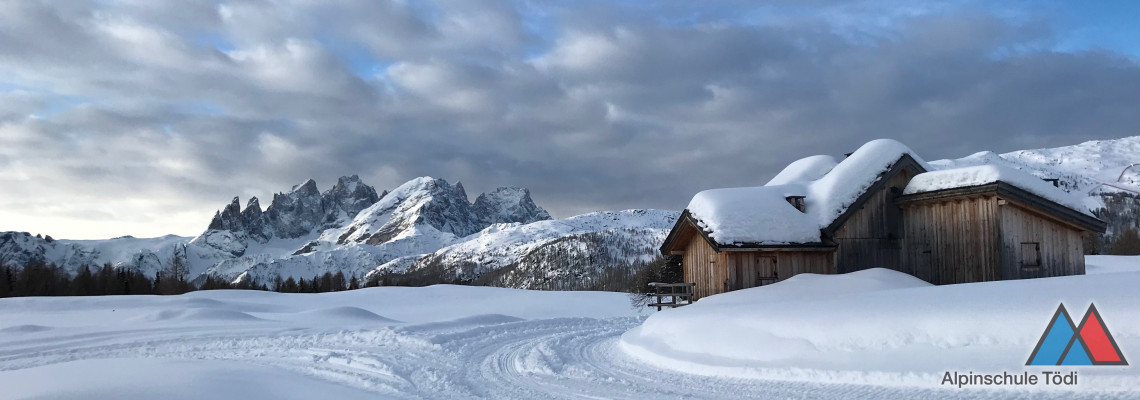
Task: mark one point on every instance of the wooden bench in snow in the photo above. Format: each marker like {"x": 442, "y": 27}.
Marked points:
{"x": 679, "y": 294}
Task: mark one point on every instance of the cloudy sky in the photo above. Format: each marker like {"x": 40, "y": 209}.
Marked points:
{"x": 142, "y": 117}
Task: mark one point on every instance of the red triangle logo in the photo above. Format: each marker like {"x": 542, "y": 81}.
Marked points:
{"x": 1097, "y": 339}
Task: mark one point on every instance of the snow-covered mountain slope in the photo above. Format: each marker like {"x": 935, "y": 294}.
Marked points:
{"x": 556, "y": 254}
{"x": 22, "y": 248}
{"x": 1078, "y": 168}
{"x": 121, "y": 248}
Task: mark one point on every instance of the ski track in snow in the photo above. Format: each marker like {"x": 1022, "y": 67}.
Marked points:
{"x": 490, "y": 356}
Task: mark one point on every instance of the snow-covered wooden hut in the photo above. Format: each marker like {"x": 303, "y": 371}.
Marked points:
{"x": 821, "y": 215}
{"x": 988, "y": 223}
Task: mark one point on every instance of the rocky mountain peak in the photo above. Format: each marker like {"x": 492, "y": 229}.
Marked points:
{"x": 346, "y": 199}
{"x": 308, "y": 187}
{"x": 253, "y": 220}
{"x": 509, "y": 204}
{"x": 459, "y": 191}
{"x": 229, "y": 218}
{"x": 301, "y": 211}
{"x": 347, "y": 184}
{"x": 253, "y": 205}
{"x": 435, "y": 203}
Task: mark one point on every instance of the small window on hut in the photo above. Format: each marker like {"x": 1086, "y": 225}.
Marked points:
{"x": 893, "y": 219}
{"x": 1030, "y": 254}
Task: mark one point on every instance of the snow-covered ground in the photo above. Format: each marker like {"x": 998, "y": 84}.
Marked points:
{"x": 874, "y": 334}
{"x": 1111, "y": 264}
{"x": 890, "y": 329}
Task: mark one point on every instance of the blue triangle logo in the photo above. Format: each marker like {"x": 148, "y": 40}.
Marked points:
{"x": 1056, "y": 341}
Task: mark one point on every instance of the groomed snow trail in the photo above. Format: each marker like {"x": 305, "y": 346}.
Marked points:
{"x": 484, "y": 356}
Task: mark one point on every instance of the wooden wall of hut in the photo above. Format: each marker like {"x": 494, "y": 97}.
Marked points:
{"x": 778, "y": 264}
{"x": 714, "y": 272}
{"x": 704, "y": 267}
{"x": 871, "y": 235}
{"x": 952, "y": 241}
{"x": 1058, "y": 247}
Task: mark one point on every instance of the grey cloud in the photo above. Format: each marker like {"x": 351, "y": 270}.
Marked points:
{"x": 601, "y": 110}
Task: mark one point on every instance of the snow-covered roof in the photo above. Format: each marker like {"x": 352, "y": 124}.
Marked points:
{"x": 804, "y": 170}
{"x": 829, "y": 196}
{"x": 986, "y": 174}
{"x": 753, "y": 215}
{"x": 762, "y": 215}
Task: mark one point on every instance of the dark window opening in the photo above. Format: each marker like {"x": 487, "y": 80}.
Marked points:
{"x": 893, "y": 215}
{"x": 1030, "y": 254}
{"x": 797, "y": 202}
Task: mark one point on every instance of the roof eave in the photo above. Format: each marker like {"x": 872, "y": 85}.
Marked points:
{"x": 1074, "y": 217}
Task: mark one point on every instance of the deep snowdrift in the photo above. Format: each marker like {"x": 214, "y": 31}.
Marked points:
{"x": 887, "y": 328}
{"x": 1111, "y": 264}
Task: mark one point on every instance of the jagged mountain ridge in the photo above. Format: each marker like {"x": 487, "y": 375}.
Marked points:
{"x": 303, "y": 232}
{"x": 290, "y": 215}
{"x": 419, "y": 217}
{"x": 436, "y": 204}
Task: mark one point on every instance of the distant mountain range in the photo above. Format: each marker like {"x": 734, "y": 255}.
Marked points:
{"x": 425, "y": 227}
{"x": 428, "y": 231}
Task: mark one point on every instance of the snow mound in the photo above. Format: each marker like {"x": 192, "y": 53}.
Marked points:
{"x": 1111, "y": 264}
{"x": 346, "y": 313}
{"x": 804, "y": 286}
{"x": 991, "y": 173}
{"x": 474, "y": 320}
{"x": 880, "y": 327}
{"x": 197, "y": 314}
{"x": 26, "y": 328}
{"x": 203, "y": 303}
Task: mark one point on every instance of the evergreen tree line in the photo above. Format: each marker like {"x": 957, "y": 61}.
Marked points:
{"x": 39, "y": 279}
{"x": 1128, "y": 244}
{"x": 328, "y": 282}
{"x": 1122, "y": 213}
